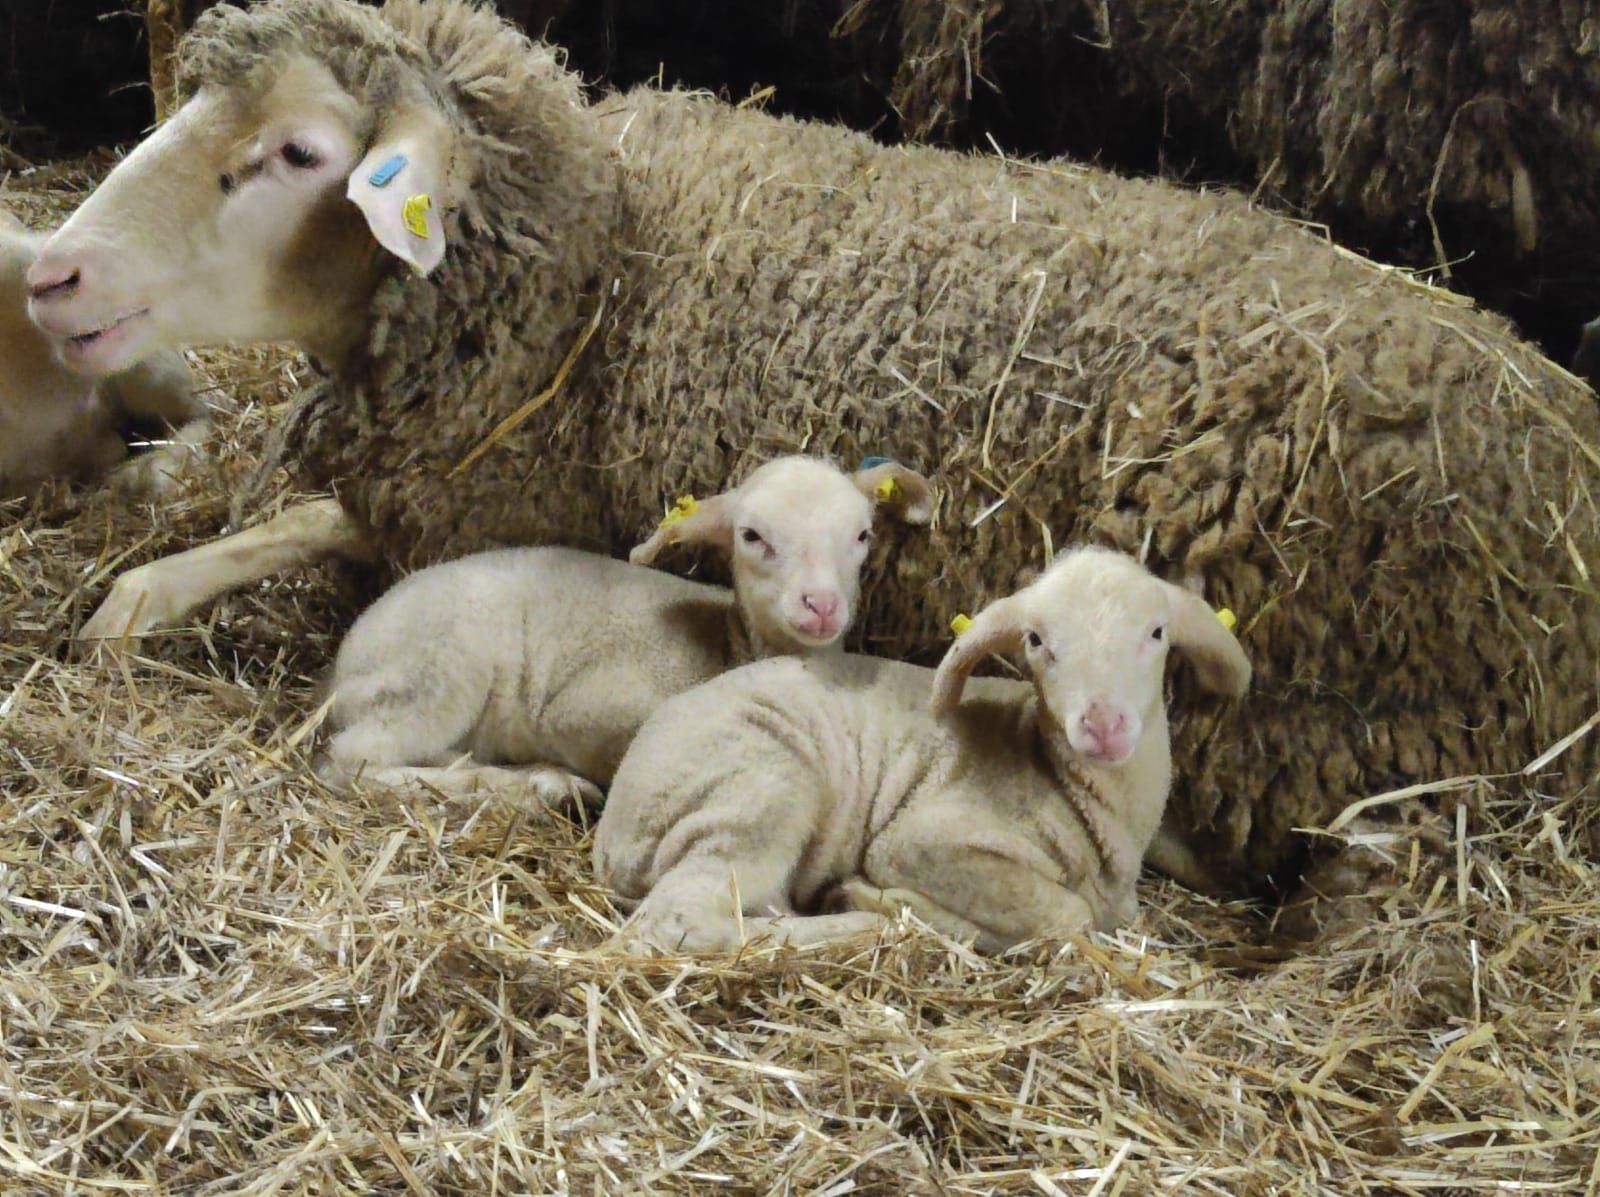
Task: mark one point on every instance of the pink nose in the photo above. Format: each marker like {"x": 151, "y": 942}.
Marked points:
{"x": 824, "y": 604}
{"x": 1106, "y": 731}
{"x": 49, "y": 279}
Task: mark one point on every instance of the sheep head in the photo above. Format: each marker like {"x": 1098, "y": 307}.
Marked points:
{"x": 797, "y": 532}
{"x": 1095, "y": 630}
{"x": 264, "y": 208}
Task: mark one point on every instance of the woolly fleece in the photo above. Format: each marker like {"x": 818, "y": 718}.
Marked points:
{"x": 1395, "y": 495}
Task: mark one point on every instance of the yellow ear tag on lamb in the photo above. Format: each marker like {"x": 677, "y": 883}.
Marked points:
{"x": 960, "y": 624}
{"x": 1227, "y": 618}
{"x": 414, "y": 214}
{"x": 681, "y": 510}
{"x": 887, "y": 491}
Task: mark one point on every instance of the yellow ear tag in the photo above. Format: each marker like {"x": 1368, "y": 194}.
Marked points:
{"x": 1227, "y": 618}
{"x": 960, "y": 624}
{"x": 682, "y": 509}
{"x": 415, "y": 215}
{"x": 887, "y": 491}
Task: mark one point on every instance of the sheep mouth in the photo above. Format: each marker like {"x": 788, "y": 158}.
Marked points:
{"x": 85, "y": 340}
{"x": 818, "y": 631}
{"x": 103, "y": 341}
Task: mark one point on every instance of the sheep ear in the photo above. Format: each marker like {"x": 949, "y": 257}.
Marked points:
{"x": 1200, "y": 635}
{"x": 703, "y": 521}
{"x": 904, "y": 493}
{"x": 995, "y": 629}
{"x": 403, "y": 184}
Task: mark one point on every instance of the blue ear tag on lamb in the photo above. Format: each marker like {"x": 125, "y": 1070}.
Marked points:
{"x": 387, "y": 170}
{"x": 873, "y": 462}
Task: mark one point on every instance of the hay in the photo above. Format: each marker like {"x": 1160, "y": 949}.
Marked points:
{"x": 221, "y": 978}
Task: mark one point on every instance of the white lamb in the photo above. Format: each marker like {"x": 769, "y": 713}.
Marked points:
{"x": 806, "y": 799}
{"x": 54, "y": 423}
{"x": 549, "y": 659}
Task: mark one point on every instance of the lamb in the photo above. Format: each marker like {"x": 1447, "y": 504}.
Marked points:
{"x": 585, "y": 305}
{"x": 552, "y": 658}
{"x": 748, "y": 803}
{"x": 56, "y": 424}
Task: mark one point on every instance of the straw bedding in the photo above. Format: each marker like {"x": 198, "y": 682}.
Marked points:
{"x": 1396, "y": 495}
{"x": 221, "y": 978}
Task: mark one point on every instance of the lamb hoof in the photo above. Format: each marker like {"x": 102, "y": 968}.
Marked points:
{"x": 136, "y": 606}
{"x": 552, "y": 788}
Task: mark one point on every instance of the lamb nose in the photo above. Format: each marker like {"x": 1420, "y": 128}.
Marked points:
{"x": 821, "y": 605}
{"x": 52, "y": 282}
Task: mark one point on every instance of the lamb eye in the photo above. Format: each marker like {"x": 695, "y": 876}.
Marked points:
{"x": 1158, "y": 634}
{"x": 226, "y": 182}
{"x": 866, "y": 536}
{"x": 750, "y": 536}
{"x": 1033, "y": 640}
{"x": 298, "y": 156}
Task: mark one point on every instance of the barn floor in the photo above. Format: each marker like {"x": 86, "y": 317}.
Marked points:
{"x": 221, "y": 977}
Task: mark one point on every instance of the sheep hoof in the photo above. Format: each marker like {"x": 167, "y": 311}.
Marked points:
{"x": 551, "y": 788}
{"x": 135, "y": 607}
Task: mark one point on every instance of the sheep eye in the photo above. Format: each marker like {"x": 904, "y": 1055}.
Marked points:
{"x": 225, "y": 181}
{"x": 866, "y": 536}
{"x": 1158, "y": 634}
{"x": 750, "y": 536}
{"x": 297, "y": 156}
{"x": 1033, "y": 640}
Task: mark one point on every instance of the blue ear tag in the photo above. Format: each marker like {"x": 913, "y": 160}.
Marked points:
{"x": 871, "y": 462}
{"x": 387, "y": 170}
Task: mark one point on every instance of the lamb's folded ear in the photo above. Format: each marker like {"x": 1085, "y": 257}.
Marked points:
{"x": 1198, "y": 633}
{"x": 403, "y": 185}
{"x": 691, "y": 521}
{"x": 995, "y": 629}
{"x": 903, "y": 493}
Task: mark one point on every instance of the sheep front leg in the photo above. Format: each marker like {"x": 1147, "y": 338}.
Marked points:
{"x": 860, "y": 894}
{"x": 696, "y": 908}
{"x": 152, "y": 475}
{"x": 165, "y": 592}
{"x": 975, "y": 890}
{"x": 727, "y": 870}
{"x": 532, "y": 787}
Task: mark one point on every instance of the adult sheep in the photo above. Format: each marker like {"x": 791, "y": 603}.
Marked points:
{"x": 1396, "y": 496}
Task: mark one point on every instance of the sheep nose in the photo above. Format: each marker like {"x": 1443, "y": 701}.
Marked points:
{"x": 824, "y": 604}
{"x": 49, "y": 280}
{"x": 1101, "y": 726}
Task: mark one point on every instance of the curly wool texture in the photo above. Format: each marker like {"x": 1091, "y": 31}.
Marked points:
{"x": 1395, "y": 495}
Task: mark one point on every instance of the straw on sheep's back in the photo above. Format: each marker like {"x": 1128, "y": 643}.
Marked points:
{"x": 1395, "y": 495}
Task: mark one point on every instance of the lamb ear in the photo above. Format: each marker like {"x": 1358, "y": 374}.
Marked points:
{"x": 995, "y": 629}
{"x": 1200, "y": 635}
{"x": 403, "y": 185}
{"x": 904, "y": 493}
{"x": 703, "y": 521}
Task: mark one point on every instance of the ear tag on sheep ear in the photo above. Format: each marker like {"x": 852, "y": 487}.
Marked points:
{"x": 1226, "y": 617}
{"x": 887, "y": 491}
{"x": 960, "y": 624}
{"x": 415, "y": 215}
{"x": 681, "y": 510}
{"x": 387, "y": 170}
